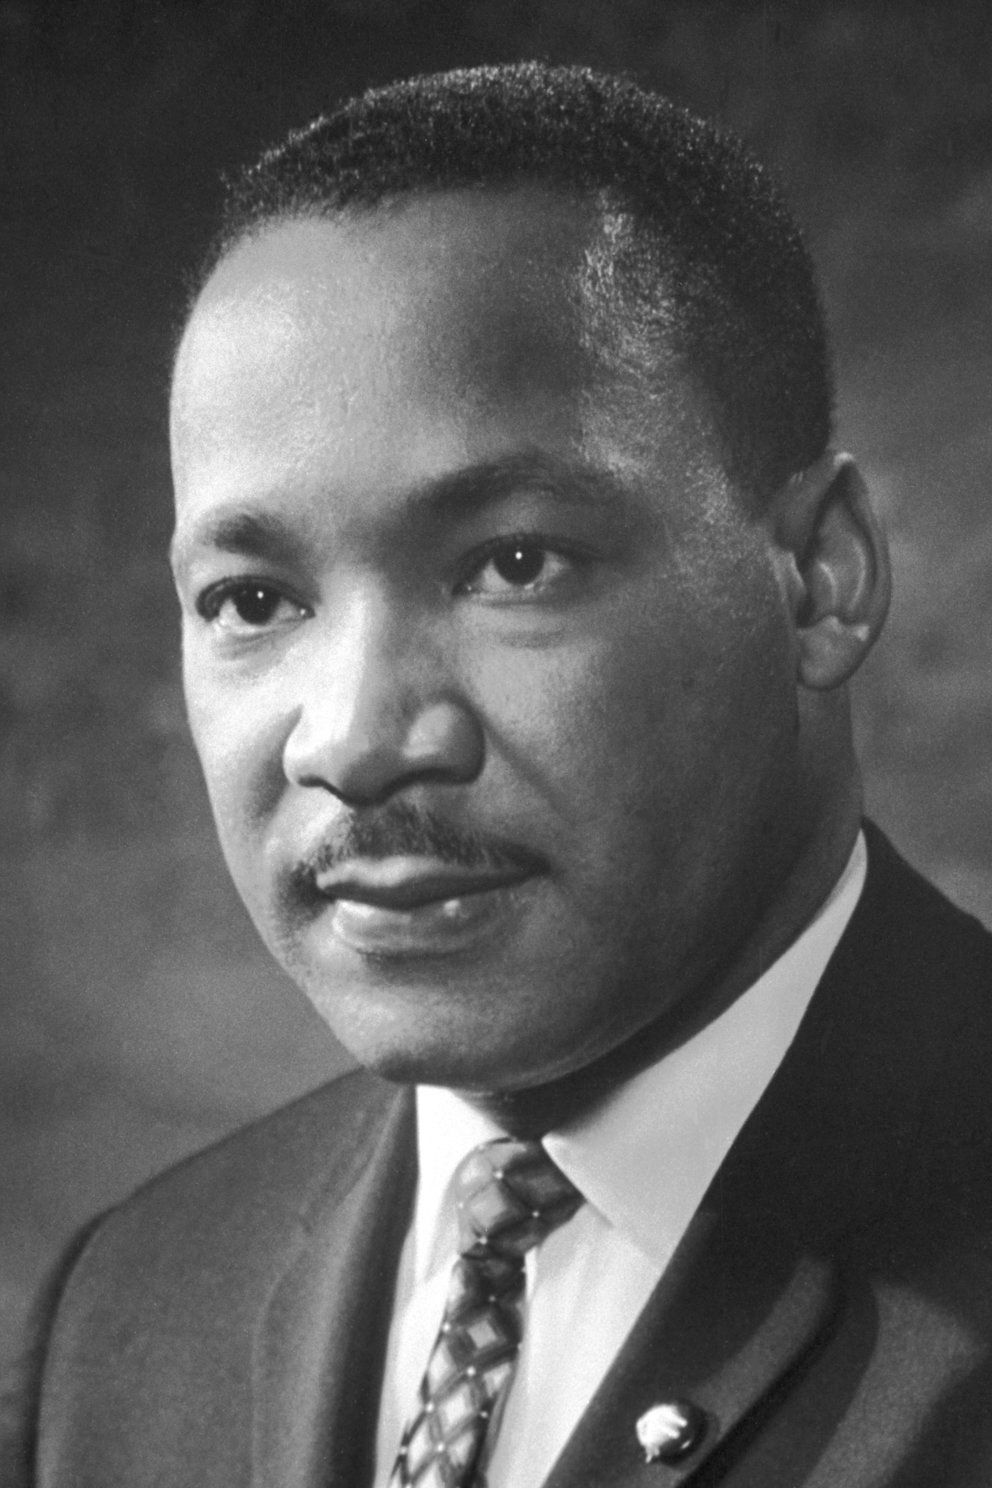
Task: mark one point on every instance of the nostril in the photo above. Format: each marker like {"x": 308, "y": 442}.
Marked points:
{"x": 368, "y": 780}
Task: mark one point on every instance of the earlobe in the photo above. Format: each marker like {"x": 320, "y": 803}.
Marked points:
{"x": 836, "y": 563}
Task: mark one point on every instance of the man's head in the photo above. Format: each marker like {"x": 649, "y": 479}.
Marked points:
{"x": 693, "y": 251}
{"x": 519, "y": 583}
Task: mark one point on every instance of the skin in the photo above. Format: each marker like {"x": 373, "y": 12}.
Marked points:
{"x": 643, "y": 713}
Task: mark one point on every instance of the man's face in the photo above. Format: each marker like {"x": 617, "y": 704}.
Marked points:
{"x": 489, "y": 672}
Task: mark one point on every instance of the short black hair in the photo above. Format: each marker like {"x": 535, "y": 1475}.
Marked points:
{"x": 706, "y": 256}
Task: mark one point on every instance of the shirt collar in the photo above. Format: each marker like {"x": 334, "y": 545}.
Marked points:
{"x": 676, "y": 1119}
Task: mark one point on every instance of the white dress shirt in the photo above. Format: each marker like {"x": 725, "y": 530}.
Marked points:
{"x": 587, "y": 1282}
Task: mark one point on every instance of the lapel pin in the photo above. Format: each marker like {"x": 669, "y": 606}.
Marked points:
{"x": 669, "y": 1431}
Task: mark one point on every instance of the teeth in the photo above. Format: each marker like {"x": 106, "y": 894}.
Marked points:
{"x": 448, "y": 909}
{"x": 356, "y": 906}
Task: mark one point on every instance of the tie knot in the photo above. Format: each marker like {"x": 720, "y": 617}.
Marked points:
{"x": 510, "y": 1195}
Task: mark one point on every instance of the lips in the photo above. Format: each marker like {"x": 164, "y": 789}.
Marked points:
{"x": 405, "y": 882}
{"x": 410, "y": 906}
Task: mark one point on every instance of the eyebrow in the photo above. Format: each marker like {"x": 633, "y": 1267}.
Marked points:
{"x": 234, "y": 529}
{"x": 245, "y": 530}
{"x": 480, "y": 485}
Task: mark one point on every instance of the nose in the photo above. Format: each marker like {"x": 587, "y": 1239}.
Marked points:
{"x": 379, "y": 716}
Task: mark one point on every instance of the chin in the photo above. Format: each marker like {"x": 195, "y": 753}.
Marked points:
{"x": 468, "y": 1027}
{"x": 426, "y": 1064}
{"x": 406, "y": 1051}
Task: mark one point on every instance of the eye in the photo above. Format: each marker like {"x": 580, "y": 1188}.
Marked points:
{"x": 248, "y": 606}
{"x": 518, "y": 566}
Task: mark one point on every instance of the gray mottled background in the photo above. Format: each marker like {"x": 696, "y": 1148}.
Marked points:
{"x": 139, "y": 1019}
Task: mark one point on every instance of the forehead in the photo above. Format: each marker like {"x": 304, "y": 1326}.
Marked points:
{"x": 487, "y": 282}
{"x": 394, "y": 344}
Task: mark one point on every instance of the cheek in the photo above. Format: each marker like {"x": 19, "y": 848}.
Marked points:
{"x": 654, "y": 717}
{"x": 239, "y": 733}
{"x": 551, "y": 715}
{"x": 598, "y": 697}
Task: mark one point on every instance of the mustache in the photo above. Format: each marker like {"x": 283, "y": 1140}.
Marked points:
{"x": 400, "y": 829}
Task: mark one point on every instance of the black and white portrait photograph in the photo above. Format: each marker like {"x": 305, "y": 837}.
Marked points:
{"x": 496, "y": 744}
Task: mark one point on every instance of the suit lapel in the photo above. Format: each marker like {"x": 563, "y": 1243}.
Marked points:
{"x": 320, "y": 1344}
{"x": 727, "y": 1322}
{"x": 754, "y": 1286}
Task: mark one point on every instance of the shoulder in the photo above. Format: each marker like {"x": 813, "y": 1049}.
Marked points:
{"x": 256, "y": 1173}
{"x": 208, "y": 1233}
{"x": 912, "y": 982}
{"x": 165, "y": 1289}
{"x": 908, "y": 992}
{"x": 880, "y": 1112}
{"x": 896, "y": 889}
{"x": 905, "y": 931}
{"x": 225, "y": 1211}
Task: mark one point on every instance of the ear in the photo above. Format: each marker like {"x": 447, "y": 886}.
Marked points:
{"x": 834, "y": 561}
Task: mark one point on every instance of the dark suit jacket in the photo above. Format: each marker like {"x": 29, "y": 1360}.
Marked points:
{"x": 830, "y": 1308}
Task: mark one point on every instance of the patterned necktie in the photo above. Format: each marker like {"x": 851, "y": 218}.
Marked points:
{"x": 510, "y": 1195}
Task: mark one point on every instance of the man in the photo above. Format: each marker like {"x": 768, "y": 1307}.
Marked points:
{"x": 521, "y": 585}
